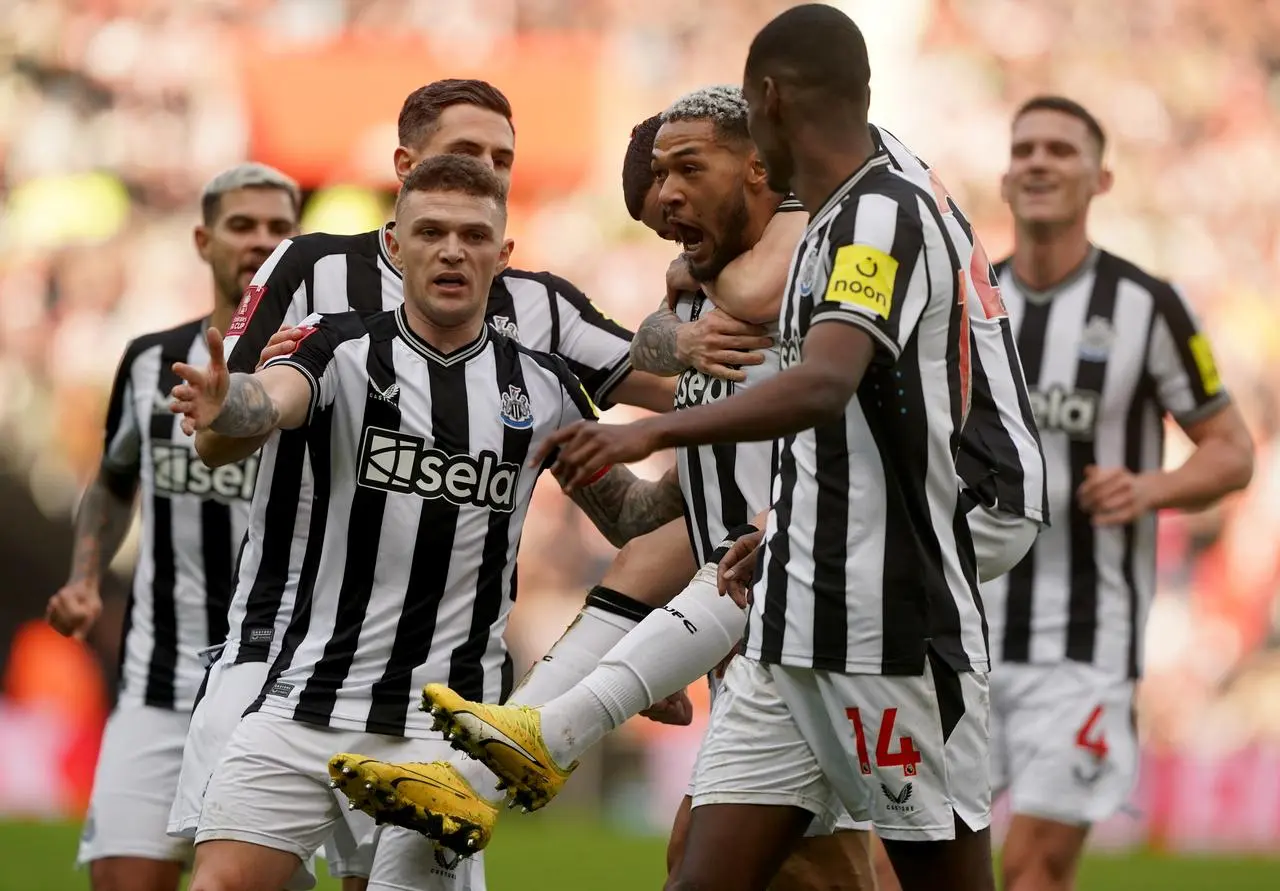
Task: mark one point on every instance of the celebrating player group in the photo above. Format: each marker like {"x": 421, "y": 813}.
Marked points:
{"x": 909, "y": 538}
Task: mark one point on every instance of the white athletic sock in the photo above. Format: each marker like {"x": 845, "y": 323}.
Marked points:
{"x": 605, "y": 619}
{"x": 670, "y": 649}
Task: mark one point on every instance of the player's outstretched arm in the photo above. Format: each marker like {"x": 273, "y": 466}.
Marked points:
{"x": 623, "y": 506}
{"x": 666, "y": 346}
{"x": 239, "y": 405}
{"x": 750, "y": 287}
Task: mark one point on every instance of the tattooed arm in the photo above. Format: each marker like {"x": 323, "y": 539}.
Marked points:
{"x": 714, "y": 344}
{"x": 101, "y": 525}
{"x": 623, "y": 506}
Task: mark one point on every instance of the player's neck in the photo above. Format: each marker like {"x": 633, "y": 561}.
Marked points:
{"x": 1044, "y": 259}
{"x": 223, "y": 310}
{"x": 443, "y": 339}
{"x": 825, "y": 161}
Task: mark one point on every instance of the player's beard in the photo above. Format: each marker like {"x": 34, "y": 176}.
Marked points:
{"x": 730, "y": 238}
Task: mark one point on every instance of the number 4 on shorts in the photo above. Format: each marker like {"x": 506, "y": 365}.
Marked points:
{"x": 906, "y": 757}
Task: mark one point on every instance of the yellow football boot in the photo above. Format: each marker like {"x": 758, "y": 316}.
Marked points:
{"x": 432, "y": 799}
{"x": 505, "y": 738}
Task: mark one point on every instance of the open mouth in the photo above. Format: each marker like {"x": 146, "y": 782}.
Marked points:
{"x": 691, "y": 238}
{"x": 1039, "y": 188}
{"x": 450, "y": 281}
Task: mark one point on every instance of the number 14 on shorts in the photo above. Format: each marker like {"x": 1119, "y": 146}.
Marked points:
{"x": 905, "y": 757}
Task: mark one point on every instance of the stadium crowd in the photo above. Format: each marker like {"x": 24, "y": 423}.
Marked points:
{"x": 113, "y": 113}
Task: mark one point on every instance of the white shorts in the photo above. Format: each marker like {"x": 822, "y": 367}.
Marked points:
{"x": 229, "y": 690}
{"x": 1063, "y": 741}
{"x": 271, "y": 787}
{"x": 133, "y": 786}
{"x": 407, "y": 861}
{"x": 1000, "y": 540}
{"x": 790, "y": 737}
{"x": 817, "y": 827}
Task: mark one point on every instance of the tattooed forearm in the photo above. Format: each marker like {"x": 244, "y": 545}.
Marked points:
{"x": 654, "y": 348}
{"x": 101, "y": 524}
{"x": 248, "y": 410}
{"x": 623, "y": 506}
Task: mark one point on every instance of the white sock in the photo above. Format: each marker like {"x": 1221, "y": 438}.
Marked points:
{"x": 670, "y": 649}
{"x": 604, "y": 620}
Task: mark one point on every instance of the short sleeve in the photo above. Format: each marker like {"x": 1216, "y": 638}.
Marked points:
{"x": 877, "y": 277}
{"x": 575, "y": 403}
{"x": 278, "y": 293}
{"x": 122, "y": 446}
{"x": 596, "y": 348}
{"x": 313, "y": 356}
{"x": 1180, "y": 361}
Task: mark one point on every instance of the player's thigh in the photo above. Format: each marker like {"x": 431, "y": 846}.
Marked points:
{"x": 229, "y": 691}
{"x": 1000, "y": 540}
{"x": 134, "y": 874}
{"x": 679, "y": 834}
{"x": 407, "y": 861}
{"x": 133, "y": 787}
{"x": 653, "y": 568}
{"x": 1039, "y": 853}
{"x": 271, "y": 787}
{"x": 840, "y": 861}
{"x": 754, "y": 753}
{"x": 1071, "y": 741}
{"x": 737, "y": 847}
{"x": 910, "y": 754}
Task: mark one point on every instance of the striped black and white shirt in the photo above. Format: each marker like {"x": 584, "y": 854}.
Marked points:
{"x": 727, "y": 484}
{"x": 1107, "y": 353}
{"x": 1000, "y": 460}
{"x": 867, "y": 560}
{"x": 193, "y": 521}
{"x": 421, "y": 490}
{"x": 336, "y": 273}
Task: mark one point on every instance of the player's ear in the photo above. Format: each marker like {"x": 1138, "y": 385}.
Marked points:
{"x": 393, "y": 247}
{"x": 504, "y": 255}
{"x": 404, "y": 161}
{"x": 1105, "y": 180}
{"x": 757, "y": 175}
{"x": 202, "y": 238}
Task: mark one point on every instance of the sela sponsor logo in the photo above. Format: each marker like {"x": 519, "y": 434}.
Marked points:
{"x": 516, "y": 412}
{"x": 178, "y": 470}
{"x": 244, "y": 312}
{"x": 505, "y": 326}
{"x": 1073, "y": 412}
{"x": 898, "y": 802}
{"x": 405, "y": 464}
{"x": 789, "y": 351}
{"x": 696, "y": 388}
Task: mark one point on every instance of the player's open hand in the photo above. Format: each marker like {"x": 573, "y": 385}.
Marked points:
{"x": 282, "y": 343}
{"x": 74, "y": 609}
{"x": 199, "y": 398}
{"x": 1114, "y": 496}
{"x": 717, "y": 342}
{"x": 676, "y": 710}
{"x": 587, "y": 448}
{"x": 737, "y": 567}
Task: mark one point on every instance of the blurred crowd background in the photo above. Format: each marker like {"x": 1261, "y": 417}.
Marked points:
{"x": 113, "y": 114}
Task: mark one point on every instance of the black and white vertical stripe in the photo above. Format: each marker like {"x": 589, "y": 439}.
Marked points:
{"x": 1000, "y": 458}
{"x": 867, "y": 561}
{"x": 336, "y": 273}
{"x": 1107, "y": 353}
{"x": 421, "y": 491}
{"x": 193, "y": 520}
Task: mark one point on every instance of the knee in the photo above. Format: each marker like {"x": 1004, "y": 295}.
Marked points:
{"x": 1039, "y": 868}
{"x": 131, "y": 874}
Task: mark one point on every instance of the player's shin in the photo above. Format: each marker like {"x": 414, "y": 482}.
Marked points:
{"x": 605, "y": 619}
{"x": 670, "y": 649}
